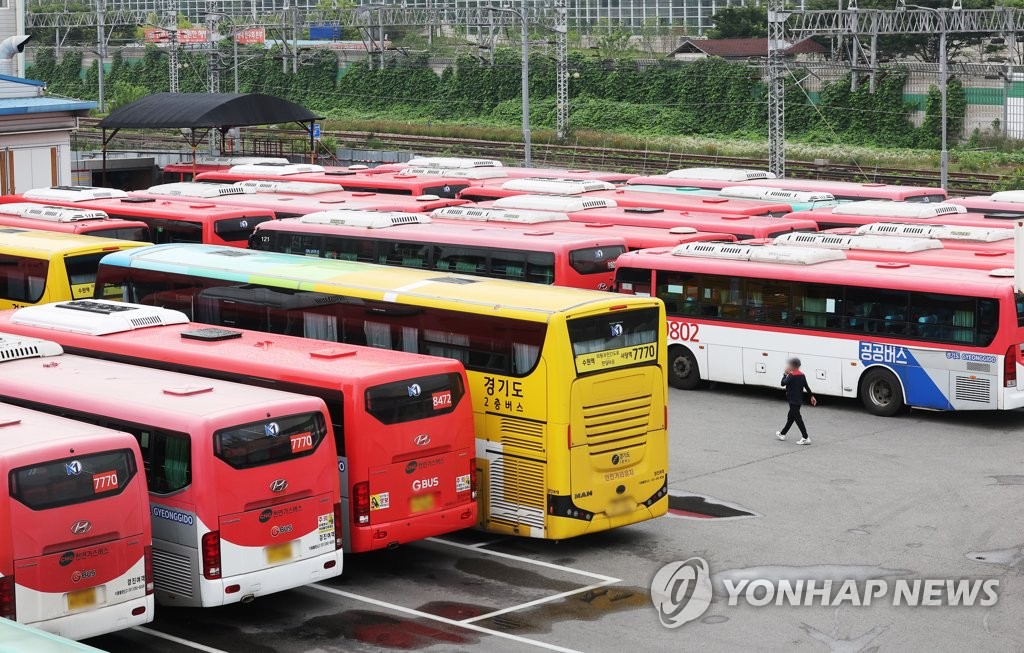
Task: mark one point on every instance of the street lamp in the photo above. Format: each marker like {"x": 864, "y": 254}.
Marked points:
{"x": 943, "y": 75}
{"x": 521, "y": 14}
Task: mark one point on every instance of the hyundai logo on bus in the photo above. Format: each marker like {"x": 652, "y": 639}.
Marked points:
{"x": 415, "y": 390}
{"x": 278, "y": 485}
{"x": 421, "y": 440}
{"x": 81, "y": 527}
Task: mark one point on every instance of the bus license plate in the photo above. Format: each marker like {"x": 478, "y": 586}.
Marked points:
{"x": 279, "y": 553}
{"x": 617, "y": 508}
{"x": 421, "y": 503}
{"x": 82, "y": 599}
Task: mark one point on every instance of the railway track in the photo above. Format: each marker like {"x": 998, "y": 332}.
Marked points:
{"x": 295, "y": 142}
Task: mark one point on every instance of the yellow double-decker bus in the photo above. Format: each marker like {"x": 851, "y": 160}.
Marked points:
{"x": 568, "y": 386}
{"x": 37, "y": 267}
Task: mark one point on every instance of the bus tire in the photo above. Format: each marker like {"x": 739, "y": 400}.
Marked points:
{"x": 881, "y": 392}
{"x": 683, "y": 371}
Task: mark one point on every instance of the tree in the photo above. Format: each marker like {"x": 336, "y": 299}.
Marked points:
{"x": 740, "y": 22}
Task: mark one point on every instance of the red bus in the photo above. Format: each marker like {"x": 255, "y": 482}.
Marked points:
{"x": 350, "y": 180}
{"x": 28, "y": 215}
{"x": 242, "y": 481}
{"x": 291, "y": 199}
{"x": 1004, "y": 205}
{"x": 635, "y": 237}
{"x": 510, "y": 172}
{"x": 743, "y": 227}
{"x": 951, "y": 236}
{"x": 858, "y": 214}
{"x": 170, "y": 221}
{"x": 410, "y": 240}
{"x": 887, "y": 249}
{"x": 377, "y": 416}
{"x": 843, "y": 191}
{"x": 78, "y": 563}
{"x": 186, "y": 170}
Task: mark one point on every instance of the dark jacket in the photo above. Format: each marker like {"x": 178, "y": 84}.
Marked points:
{"x": 796, "y": 384}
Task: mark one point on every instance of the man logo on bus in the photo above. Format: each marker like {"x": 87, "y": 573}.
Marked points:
{"x": 415, "y": 390}
{"x": 272, "y": 429}
{"x": 73, "y": 468}
{"x": 278, "y": 485}
{"x": 616, "y": 329}
{"x": 81, "y": 527}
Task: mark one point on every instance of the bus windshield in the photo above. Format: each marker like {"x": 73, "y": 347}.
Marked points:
{"x": 415, "y": 399}
{"x": 82, "y": 269}
{"x": 612, "y": 331}
{"x": 272, "y": 441}
{"x": 67, "y": 481}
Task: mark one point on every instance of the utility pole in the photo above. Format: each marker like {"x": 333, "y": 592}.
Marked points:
{"x": 172, "y": 50}
{"x": 101, "y": 46}
{"x": 776, "y": 88}
{"x": 527, "y": 146}
{"x": 213, "y": 54}
{"x": 561, "y": 70}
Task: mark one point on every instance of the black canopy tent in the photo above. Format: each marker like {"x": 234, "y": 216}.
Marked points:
{"x": 200, "y": 113}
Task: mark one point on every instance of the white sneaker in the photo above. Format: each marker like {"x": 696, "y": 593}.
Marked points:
{"x": 804, "y": 441}
{"x": 779, "y": 435}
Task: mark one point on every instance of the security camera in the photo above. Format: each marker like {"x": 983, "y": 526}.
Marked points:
{"x": 13, "y": 45}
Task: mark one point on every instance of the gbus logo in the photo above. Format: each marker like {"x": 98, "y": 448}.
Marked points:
{"x": 83, "y": 575}
{"x": 681, "y": 591}
{"x": 280, "y": 530}
{"x": 424, "y": 484}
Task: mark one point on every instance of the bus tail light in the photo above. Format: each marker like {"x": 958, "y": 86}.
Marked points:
{"x": 472, "y": 479}
{"x": 1010, "y": 367}
{"x": 211, "y": 555}
{"x": 337, "y": 527}
{"x": 361, "y": 503}
{"x": 7, "y": 607}
{"x": 149, "y": 569}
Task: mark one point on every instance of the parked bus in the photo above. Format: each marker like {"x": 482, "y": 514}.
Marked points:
{"x": 242, "y": 481}
{"x": 886, "y": 249}
{"x": 37, "y": 267}
{"x": 600, "y": 190}
{"x": 410, "y": 240}
{"x": 951, "y": 236}
{"x": 843, "y": 191}
{"x": 511, "y": 172}
{"x": 292, "y": 199}
{"x": 635, "y": 237}
{"x": 377, "y": 415}
{"x": 350, "y": 180}
{"x": 76, "y": 555}
{"x": 891, "y": 334}
{"x": 798, "y": 200}
{"x": 1005, "y": 205}
{"x": 186, "y": 170}
{"x": 743, "y": 227}
{"x": 170, "y": 221}
{"x": 28, "y": 215}
{"x": 858, "y": 214}
{"x": 582, "y": 452}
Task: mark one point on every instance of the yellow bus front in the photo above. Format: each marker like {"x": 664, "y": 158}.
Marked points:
{"x": 580, "y": 443}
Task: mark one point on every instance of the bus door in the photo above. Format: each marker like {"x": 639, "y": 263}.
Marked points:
{"x": 95, "y": 506}
{"x": 417, "y": 467}
{"x": 272, "y": 505}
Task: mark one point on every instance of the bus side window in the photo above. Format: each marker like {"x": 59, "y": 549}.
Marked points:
{"x": 720, "y": 297}
{"x": 349, "y": 249}
{"x": 166, "y": 456}
{"x": 680, "y": 292}
{"x": 637, "y": 281}
{"x": 24, "y": 279}
{"x": 508, "y": 265}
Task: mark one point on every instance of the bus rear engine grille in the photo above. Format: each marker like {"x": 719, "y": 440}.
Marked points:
{"x": 611, "y": 423}
{"x": 173, "y": 572}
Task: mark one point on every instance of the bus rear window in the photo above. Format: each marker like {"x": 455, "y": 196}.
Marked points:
{"x": 68, "y": 481}
{"x": 415, "y": 399}
{"x": 136, "y": 234}
{"x": 270, "y": 441}
{"x": 82, "y": 268}
{"x": 926, "y": 199}
{"x": 595, "y": 260}
{"x": 174, "y": 231}
{"x": 22, "y": 279}
{"x": 613, "y": 330}
{"x": 233, "y": 229}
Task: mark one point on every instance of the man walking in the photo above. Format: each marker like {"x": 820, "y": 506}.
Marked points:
{"x": 796, "y": 384}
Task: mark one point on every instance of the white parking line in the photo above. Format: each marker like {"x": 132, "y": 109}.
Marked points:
{"x": 530, "y": 604}
{"x": 178, "y": 640}
{"x": 444, "y": 620}
{"x": 540, "y": 563}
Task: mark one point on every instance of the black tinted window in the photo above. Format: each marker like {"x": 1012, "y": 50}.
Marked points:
{"x": 415, "y": 399}
{"x": 270, "y": 441}
{"x": 73, "y": 480}
{"x": 235, "y": 229}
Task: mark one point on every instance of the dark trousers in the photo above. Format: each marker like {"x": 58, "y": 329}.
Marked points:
{"x": 794, "y": 416}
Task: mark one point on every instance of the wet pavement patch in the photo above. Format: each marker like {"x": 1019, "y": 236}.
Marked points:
{"x": 695, "y": 506}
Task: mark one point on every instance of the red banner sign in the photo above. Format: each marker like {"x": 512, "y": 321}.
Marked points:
{"x": 251, "y": 36}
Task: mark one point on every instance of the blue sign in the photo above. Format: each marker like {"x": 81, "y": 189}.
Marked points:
{"x": 316, "y": 130}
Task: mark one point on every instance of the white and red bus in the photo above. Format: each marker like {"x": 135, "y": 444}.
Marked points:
{"x": 892, "y": 334}
{"x": 350, "y": 180}
{"x": 410, "y": 240}
{"x": 743, "y": 227}
{"x": 635, "y": 237}
{"x": 451, "y": 163}
{"x": 291, "y": 199}
{"x": 169, "y": 221}
{"x": 242, "y": 480}
{"x": 76, "y": 555}
{"x": 887, "y": 249}
{"x": 396, "y": 486}
{"x": 601, "y": 190}
{"x": 858, "y": 214}
{"x": 29, "y": 215}
{"x": 186, "y": 170}
{"x": 842, "y": 191}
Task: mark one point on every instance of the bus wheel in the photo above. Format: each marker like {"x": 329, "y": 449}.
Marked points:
{"x": 683, "y": 372}
{"x": 881, "y": 393}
